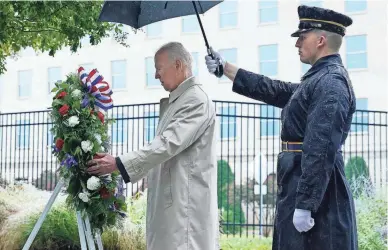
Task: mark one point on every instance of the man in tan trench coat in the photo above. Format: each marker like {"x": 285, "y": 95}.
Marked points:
{"x": 180, "y": 162}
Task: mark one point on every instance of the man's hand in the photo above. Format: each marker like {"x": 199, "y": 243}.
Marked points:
{"x": 302, "y": 220}
{"x": 211, "y": 63}
{"x": 102, "y": 164}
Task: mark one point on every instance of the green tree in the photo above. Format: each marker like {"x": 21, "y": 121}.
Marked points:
{"x": 48, "y": 26}
{"x": 229, "y": 199}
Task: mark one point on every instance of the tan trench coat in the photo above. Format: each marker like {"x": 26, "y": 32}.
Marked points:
{"x": 181, "y": 166}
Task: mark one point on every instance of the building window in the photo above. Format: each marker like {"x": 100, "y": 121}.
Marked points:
{"x": 228, "y": 14}
{"x": 355, "y": 5}
{"x": 88, "y": 67}
{"x": 312, "y": 3}
{"x": 23, "y": 134}
{"x": 119, "y": 129}
{"x": 118, "y": 74}
{"x": 228, "y": 122}
{"x": 269, "y": 122}
{"x": 194, "y": 63}
{"x": 268, "y": 11}
{"x": 229, "y": 55}
{"x": 360, "y": 117}
{"x": 150, "y": 124}
{"x": 304, "y": 68}
{"x": 190, "y": 24}
{"x": 150, "y": 72}
{"x": 268, "y": 55}
{"x": 154, "y": 29}
{"x": 356, "y": 52}
{"x": 54, "y": 75}
{"x": 25, "y": 83}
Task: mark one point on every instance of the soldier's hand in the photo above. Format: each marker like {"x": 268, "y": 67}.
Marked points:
{"x": 302, "y": 220}
{"x": 212, "y": 63}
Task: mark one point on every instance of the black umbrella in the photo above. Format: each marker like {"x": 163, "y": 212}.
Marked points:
{"x": 141, "y": 13}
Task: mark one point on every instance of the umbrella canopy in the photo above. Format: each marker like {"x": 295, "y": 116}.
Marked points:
{"x": 138, "y": 14}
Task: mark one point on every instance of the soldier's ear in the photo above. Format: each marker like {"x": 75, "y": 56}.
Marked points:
{"x": 322, "y": 41}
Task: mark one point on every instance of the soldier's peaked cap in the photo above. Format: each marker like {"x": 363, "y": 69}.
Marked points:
{"x": 323, "y": 19}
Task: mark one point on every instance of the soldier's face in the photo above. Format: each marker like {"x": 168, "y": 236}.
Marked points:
{"x": 307, "y": 45}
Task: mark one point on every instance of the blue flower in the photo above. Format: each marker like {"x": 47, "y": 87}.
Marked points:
{"x": 55, "y": 148}
{"x": 69, "y": 161}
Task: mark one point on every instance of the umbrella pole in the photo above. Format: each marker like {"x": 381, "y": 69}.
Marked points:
{"x": 220, "y": 70}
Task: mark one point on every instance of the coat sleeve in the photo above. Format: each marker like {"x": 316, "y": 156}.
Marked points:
{"x": 189, "y": 122}
{"x": 262, "y": 88}
{"x": 326, "y": 120}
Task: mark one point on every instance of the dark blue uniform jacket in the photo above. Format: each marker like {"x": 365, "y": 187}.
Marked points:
{"x": 317, "y": 112}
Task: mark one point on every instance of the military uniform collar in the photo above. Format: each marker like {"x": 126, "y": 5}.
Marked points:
{"x": 322, "y": 62}
{"x": 189, "y": 82}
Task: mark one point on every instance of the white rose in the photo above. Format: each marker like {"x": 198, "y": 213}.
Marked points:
{"x": 84, "y": 196}
{"x": 72, "y": 121}
{"x": 86, "y": 146}
{"x": 76, "y": 93}
{"x": 93, "y": 183}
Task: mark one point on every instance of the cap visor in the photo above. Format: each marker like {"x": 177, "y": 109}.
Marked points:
{"x": 300, "y": 31}
{"x": 296, "y": 33}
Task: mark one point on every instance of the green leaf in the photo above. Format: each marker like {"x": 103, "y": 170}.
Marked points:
{"x": 58, "y": 102}
{"x": 76, "y": 105}
{"x": 78, "y": 151}
{"x": 74, "y": 143}
{"x": 63, "y": 85}
{"x": 74, "y": 186}
{"x": 54, "y": 89}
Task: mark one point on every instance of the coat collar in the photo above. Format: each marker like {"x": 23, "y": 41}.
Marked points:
{"x": 189, "y": 82}
{"x": 334, "y": 59}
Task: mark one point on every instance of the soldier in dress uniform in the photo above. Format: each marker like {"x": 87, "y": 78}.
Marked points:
{"x": 315, "y": 207}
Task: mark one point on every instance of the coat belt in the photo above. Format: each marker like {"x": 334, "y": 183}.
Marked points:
{"x": 288, "y": 146}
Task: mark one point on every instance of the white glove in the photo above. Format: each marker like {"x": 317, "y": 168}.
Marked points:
{"x": 211, "y": 63}
{"x": 302, "y": 220}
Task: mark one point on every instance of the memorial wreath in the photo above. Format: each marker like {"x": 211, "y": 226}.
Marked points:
{"x": 80, "y": 131}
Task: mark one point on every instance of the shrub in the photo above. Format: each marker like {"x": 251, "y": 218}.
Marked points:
{"x": 60, "y": 230}
{"x": 357, "y": 174}
{"x": 371, "y": 213}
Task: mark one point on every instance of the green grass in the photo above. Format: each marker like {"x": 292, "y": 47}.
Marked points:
{"x": 245, "y": 243}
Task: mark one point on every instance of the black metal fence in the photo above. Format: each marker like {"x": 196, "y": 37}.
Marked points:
{"x": 248, "y": 144}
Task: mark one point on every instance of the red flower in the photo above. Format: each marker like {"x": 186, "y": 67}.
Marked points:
{"x": 64, "y": 109}
{"x": 59, "y": 143}
{"x": 104, "y": 192}
{"x": 101, "y": 116}
{"x": 61, "y": 95}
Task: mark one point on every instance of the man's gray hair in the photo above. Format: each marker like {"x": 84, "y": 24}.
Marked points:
{"x": 176, "y": 51}
{"x": 334, "y": 40}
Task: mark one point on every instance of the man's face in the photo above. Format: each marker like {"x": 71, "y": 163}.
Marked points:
{"x": 308, "y": 44}
{"x": 166, "y": 71}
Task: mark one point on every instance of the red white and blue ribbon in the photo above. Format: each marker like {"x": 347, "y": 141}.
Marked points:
{"x": 97, "y": 87}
